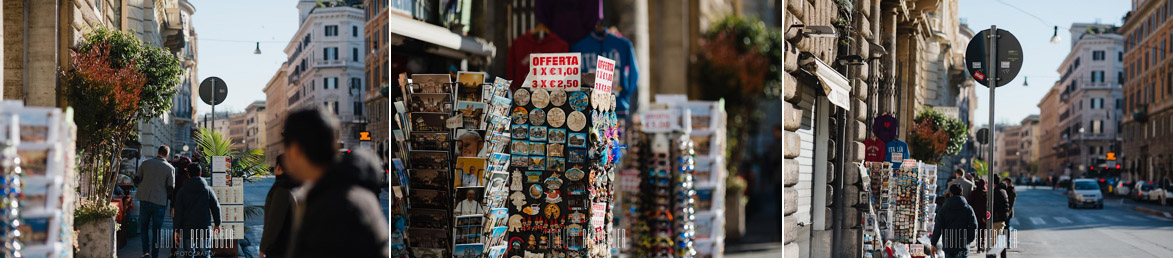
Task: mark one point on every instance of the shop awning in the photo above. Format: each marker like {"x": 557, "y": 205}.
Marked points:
{"x": 835, "y": 86}
{"x": 440, "y": 36}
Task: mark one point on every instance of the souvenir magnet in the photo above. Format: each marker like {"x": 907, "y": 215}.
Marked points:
{"x": 520, "y": 115}
{"x": 557, "y": 97}
{"x": 540, "y": 98}
{"x": 537, "y": 117}
{"x": 556, "y": 117}
{"x": 576, "y": 121}
{"x": 521, "y": 97}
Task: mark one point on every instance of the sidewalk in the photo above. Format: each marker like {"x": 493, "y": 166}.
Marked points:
{"x": 1149, "y": 208}
{"x": 254, "y": 195}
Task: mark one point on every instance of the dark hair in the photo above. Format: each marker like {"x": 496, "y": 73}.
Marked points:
{"x": 959, "y": 172}
{"x": 194, "y": 170}
{"x": 315, "y": 132}
{"x": 955, "y": 189}
{"x": 164, "y": 150}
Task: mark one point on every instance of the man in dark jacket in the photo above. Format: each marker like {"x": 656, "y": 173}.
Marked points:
{"x": 1001, "y": 209}
{"x": 279, "y": 207}
{"x": 956, "y": 225}
{"x": 341, "y": 216}
{"x": 1011, "y": 195}
{"x": 196, "y": 210}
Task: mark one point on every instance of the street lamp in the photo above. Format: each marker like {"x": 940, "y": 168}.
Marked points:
{"x": 258, "y": 51}
{"x": 1055, "y": 37}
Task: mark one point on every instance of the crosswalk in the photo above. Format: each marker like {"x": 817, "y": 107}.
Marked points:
{"x": 1060, "y": 220}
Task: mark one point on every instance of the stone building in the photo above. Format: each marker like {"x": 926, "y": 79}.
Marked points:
{"x": 168, "y": 24}
{"x": 254, "y": 126}
{"x": 1049, "y": 163}
{"x": 275, "y": 102}
{"x": 1090, "y": 99}
{"x": 1016, "y": 147}
{"x": 38, "y": 38}
{"x": 1148, "y": 92}
{"x": 377, "y": 78}
{"x": 896, "y": 58}
{"x": 326, "y": 66}
{"x": 37, "y": 41}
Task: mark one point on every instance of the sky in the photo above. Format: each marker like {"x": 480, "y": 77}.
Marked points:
{"x": 228, "y": 33}
{"x": 1041, "y": 59}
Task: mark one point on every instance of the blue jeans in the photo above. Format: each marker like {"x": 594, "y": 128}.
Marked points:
{"x": 961, "y": 254}
{"x": 150, "y": 218}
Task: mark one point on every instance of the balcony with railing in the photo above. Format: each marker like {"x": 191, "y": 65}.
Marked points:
{"x": 329, "y": 63}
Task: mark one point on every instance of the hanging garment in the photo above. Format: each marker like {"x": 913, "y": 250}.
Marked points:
{"x": 614, "y": 48}
{"x": 885, "y": 127}
{"x": 517, "y": 61}
{"x": 874, "y": 150}
{"x": 570, "y": 19}
{"x": 896, "y": 152}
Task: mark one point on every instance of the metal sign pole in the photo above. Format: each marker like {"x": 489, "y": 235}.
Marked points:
{"x": 213, "y": 128}
{"x": 992, "y": 69}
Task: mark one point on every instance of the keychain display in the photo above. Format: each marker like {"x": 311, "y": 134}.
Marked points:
{"x": 560, "y": 208}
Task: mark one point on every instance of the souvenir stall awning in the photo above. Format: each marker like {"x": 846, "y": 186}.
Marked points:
{"x": 449, "y": 44}
{"x": 835, "y": 86}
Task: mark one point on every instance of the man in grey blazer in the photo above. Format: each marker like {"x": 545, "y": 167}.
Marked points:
{"x": 155, "y": 181}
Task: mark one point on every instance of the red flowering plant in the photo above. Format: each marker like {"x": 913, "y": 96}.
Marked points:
{"x": 935, "y": 136}
{"x": 113, "y": 82}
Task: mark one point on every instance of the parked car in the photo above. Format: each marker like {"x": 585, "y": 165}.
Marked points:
{"x": 1085, "y": 191}
{"x": 1140, "y": 190}
{"x": 1123, "y": 188}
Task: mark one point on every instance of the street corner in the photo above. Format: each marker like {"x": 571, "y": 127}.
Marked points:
{"x": 1154, "y": 212}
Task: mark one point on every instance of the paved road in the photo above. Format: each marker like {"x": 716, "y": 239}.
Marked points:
{"x": 254, "y": 195}
{"x": 1047, "y": 228}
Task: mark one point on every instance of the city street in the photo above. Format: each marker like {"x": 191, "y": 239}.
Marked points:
{"x": 1047, "y": 228}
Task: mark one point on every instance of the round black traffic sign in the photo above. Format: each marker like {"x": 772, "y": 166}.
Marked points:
{"x": 982, "y": 135}
{"x": 208, "y": 85}
{"x": 1009, "y": 57}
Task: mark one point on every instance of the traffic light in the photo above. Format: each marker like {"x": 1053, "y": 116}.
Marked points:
{"x": 1117, "y": 166}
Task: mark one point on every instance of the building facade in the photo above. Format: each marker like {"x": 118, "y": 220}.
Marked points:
{"x": 1049, "y": 162}
{"x": 254, "y": 126}
{"x": 377, "y": 78}
{"x": 37, "y": 41}
{"x": 326, "y": 65}
{"x": 275, "y": 102}
{"x": 1148, "y": 91}
{"x": 1016, "y": 148}
{"x": 902, "y": 62}
{"x": 1090, "y": 108}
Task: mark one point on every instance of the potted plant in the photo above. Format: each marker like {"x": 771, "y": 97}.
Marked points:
{"x": 114, "y": 81}
{"x": 935, "y": 136}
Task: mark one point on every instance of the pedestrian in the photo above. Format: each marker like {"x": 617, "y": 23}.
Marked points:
{"x": 1001, "y": 209}
{"x": 956, "y": 225}
{"x": 155, "y": 180}
{"x": 966, "y": 184}
{"x": 180, "y": 163}
{"x": 279, "y": 207}
{"x": 196, "y": 212}
{"x": 977, "y": 200}
{"x": 340, "y": 215}
{"x": 1011, "y": 195}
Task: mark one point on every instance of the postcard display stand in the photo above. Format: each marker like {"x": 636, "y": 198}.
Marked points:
{"x": 562, "y": 170}
{"x": 708, "y": 139}
{"x": 37, "y": 153}
{"x": 454, "y": 155}
{"x": 904, "y": 201}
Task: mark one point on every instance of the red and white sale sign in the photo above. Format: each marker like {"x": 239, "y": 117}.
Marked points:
{"x": 561, "y": 70}
{"x": 604, "y": 74}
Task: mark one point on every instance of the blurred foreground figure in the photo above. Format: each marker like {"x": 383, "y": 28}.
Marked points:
{"x": 340, "y": 215}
